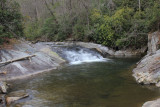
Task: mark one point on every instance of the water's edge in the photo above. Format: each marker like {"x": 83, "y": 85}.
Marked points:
{"x": 46, "y": 58}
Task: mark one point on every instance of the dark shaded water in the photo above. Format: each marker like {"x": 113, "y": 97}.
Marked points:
{"x": 98, "y": 84}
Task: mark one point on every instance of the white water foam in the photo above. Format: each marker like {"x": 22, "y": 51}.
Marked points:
{"x": 81, "y": 56}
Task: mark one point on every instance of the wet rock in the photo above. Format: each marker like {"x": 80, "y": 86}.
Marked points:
{"x": 107, "y": 51}
{"x": 100, "y": 48}
{"x": 155, "y": 103}
{"x": 131, "y": 52}
{"x": 119, "y": 53}
{"x": 27, "y": 106}
{"x": 44, "y": 60}
{"x": 56, "y": 57}
{"x": 3, "y": 87}
{"x": 10, "y": 100}
{"x": 148, "y": 70}
{"x": 15, "y": 96}
{"x": 2, "y": 100}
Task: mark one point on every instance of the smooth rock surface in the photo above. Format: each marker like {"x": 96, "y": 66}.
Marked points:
{"x": 148, "y": 70}
{"x": 2, "y": 100}
{"x": 107, "y": 51}
{"x": 44, "y": 60}
{"x": 153, "y": 42}
{"x": 100, "y": 48}
{"x": 3, "y": 87}
{"x": 155, "y": 103}
{"x": 10, "y": 100}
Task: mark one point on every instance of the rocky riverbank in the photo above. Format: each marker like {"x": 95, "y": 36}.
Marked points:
{"x": 105, "y": 51}
{"x": 7, "y": 98}
{"x": 23, "y": 60}
{"x": 27, "y": 59}
{"x": 148, "y": 69}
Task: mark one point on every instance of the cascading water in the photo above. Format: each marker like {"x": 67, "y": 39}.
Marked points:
{"x": 78, "y": 55}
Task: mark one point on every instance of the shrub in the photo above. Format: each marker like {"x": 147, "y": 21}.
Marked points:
{"x": 10, "y": 20}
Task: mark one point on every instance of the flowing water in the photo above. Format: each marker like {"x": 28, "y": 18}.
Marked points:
{"x": 78, "y": 55}
{"x": 83, "y": 83}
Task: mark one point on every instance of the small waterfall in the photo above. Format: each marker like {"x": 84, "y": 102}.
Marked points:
{"x": 78, "y": 55}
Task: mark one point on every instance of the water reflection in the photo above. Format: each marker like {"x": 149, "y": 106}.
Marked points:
{"x": 99, "y": 84}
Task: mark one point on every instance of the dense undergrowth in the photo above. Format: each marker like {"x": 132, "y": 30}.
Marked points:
{"x": 119, "y": 24}
{"x": 10, "y": 21}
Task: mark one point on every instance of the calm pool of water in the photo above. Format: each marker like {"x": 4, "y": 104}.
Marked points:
{"x": 98, "y": 84}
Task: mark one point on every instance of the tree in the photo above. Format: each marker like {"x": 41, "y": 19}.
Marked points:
{"x": 10, "y": 20}
{"x": 139, "y": 5}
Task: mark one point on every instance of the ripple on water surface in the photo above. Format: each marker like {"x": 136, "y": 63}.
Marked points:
{"x": 98, "y": 84}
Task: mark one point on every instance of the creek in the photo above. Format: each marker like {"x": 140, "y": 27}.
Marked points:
{"x": 87, "y": 80}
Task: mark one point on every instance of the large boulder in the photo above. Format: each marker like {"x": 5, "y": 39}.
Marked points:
{"x": 148, "y": 70}
{"x": 155, "y": 103}
{"x": 153, "y": 42}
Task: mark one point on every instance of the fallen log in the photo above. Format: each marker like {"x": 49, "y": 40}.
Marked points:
{"x": 10, "y": 100}
{"x": 18, "y": 59}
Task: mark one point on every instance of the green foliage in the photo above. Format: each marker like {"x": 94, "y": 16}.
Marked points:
{"x": 114, "y": 27}
{"x": 78, "y": 31}
{"x": 10, "y": 20}
{"x": 54, "y": 30}
{"x": 50, "y": 28}
{"x": 120, "y": 24}
{"x": 95, "y": 16}
{"x": 32, "y": 31}
{"x": 152, "y": 17}
{"x": 128, "y": 25}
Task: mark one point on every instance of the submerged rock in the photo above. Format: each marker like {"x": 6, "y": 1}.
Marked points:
{"x": 16, "y": 95}
{"x": 10, "y": 100}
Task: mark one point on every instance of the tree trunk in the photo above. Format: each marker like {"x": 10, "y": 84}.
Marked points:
{"x": 18, "y": 59}
{"x": 139, "y": 5}
{"x": 36, "y": 12}
{"x": 50, "y": 10}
